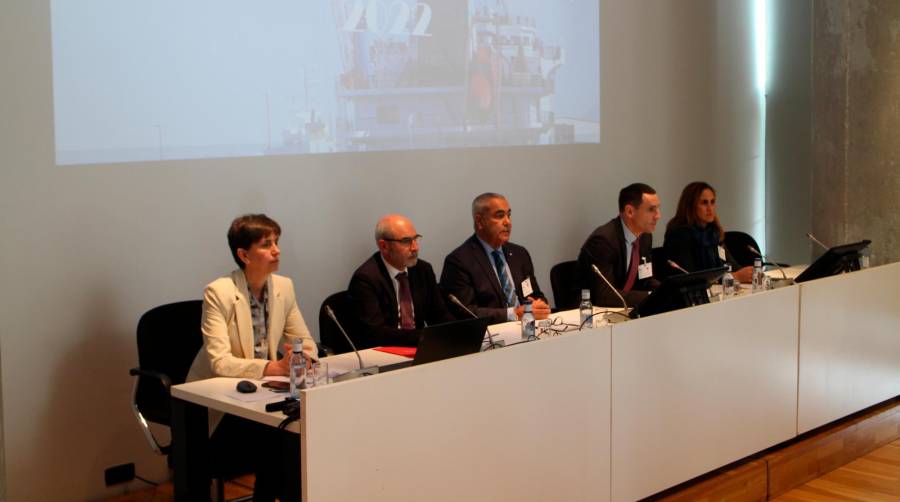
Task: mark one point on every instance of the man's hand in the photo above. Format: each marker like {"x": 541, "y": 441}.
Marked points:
{"x": 539, "y": 308}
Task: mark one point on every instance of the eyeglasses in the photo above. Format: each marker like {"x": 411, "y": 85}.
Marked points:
{"x": 406, "y": 241}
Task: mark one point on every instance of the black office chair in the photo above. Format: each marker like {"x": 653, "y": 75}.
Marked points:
{"x": 168, "y": 339}
{"x": 661, "y": 267}
{"x": 329, "y": 334}
{"x": 564, "y": 281}
{"x": 737, "y": 245}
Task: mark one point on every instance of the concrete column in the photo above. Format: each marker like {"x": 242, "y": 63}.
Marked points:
{"x": 856, "y": 119}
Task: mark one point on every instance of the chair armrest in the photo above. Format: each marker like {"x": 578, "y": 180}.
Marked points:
{"x": 162, "y": 377}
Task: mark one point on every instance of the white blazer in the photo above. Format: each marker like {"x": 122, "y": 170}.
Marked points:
{"x": 227, "y": 327}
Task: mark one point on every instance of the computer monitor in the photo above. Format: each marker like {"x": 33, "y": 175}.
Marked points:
{"x": 679, "y": 291}
{"x": 836, "y": 260}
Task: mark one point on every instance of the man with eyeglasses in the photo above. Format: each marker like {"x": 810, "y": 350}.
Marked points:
{"x": 394, "y": 292}
{"x": 488, "y": 274}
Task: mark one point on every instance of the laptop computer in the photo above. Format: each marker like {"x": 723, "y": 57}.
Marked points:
{"x": 443, "y": 341}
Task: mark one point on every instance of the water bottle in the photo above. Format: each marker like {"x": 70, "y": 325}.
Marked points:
{"x": 727, "y": 283}
{"x": 527, "y": 322}
{"x": 586, "y": 310}
{"x": 297, "y": 368}
{"x": 758, "y": 282}
{"x": 864, "y": 259}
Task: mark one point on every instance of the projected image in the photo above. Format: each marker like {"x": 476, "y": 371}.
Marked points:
{"x": 137, "y": 81}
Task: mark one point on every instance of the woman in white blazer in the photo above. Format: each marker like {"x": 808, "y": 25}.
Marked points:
{"x": 237, "y": 345}
{"x": 229, "y": 348}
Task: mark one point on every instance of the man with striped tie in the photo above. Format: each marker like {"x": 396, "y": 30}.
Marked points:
{"x": 490, "y": 275}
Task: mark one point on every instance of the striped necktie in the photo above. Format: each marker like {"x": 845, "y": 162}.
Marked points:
{"x": 508, "y": 289}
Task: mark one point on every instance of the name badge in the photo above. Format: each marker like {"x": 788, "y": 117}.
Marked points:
{"x": 645, "y": 269}
{"x": 526, "y": 287}
{"x": 722, "y": 253}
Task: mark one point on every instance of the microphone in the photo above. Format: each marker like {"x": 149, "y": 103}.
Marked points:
{"x": 677, "y": 266}
{"x": 616, "y": 291}
{"x": 459, "y": 304}
{"x": 359, "y": 372}
{"x": 766, "y": 258}
{"x": 817, "y": 241}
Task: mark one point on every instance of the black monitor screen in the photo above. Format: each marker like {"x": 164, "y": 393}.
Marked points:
{"x": 836, "y": 260}
{"x": 678, "y": 292}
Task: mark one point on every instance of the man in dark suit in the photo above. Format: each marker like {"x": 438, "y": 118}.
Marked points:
{"x": 621, "y": 250}
{"x": 490, "y": 275}
{"x": 394, "y": 293}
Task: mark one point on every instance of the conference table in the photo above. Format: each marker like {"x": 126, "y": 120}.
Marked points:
{"x": 615, "y": 412}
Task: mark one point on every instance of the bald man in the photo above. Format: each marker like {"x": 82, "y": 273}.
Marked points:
{"x": 395, "y": 294}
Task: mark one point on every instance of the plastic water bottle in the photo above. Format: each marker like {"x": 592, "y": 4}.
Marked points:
{"x": 527, "y": 322}
{"x": 727, "y": 283}
{"x": 758, "y": 282}
{"x": 297, "y": 368}
{"x": 585, "y": 310}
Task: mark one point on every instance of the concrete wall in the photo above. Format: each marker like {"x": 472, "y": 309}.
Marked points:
{"x": 86, "y": 250}
{"x": 856, "y": 116}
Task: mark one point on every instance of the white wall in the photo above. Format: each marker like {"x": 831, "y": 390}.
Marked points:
{"x": 86, "y": 250}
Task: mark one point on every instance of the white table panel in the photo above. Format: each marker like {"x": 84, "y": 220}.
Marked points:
{"x": 849, "y": 344}
{"x": 213, "y": 392}
{"x": 526, "y": 422}
{"x": 699, "y": 388}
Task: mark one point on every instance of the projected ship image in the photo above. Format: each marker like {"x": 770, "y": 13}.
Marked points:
{"x": 322, "y": 77}
{"x": 444, "y": 74}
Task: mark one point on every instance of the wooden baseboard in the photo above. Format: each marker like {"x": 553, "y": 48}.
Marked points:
{"x": 743, "y": 483}
{"x": 773, "y": 472}
{"x": 822, "y": 450}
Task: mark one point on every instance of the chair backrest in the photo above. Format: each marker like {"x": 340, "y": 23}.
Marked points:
{"x": 736, "y": 243}
{"x": 168, "y": 339}
{"x": 564, "y": 281}
{"x": 661, "y": 268}
{"x": 329, "y": 334}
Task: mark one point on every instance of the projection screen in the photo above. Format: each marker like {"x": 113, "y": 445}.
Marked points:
{"x": 139, "y": 81}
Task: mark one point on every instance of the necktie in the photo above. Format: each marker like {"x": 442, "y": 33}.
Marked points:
{"x": 407, "y": 321}
{"x": 508, "y": 290}
{"x": 633, "y": 268}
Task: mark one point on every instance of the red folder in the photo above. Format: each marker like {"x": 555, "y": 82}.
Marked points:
{"x": 400, "y": 351}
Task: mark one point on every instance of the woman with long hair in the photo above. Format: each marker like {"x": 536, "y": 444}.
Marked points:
{"x": 694, "y": 235}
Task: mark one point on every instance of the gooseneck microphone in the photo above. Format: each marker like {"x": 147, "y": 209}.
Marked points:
{"x": 768, "y": 260}
{"x": 361, "y": 371}
{"x": 817, "y": 241}
{"x": 616, "y": 291}
{"x": 677, "y": 266}
{"x": 459, "y": 304}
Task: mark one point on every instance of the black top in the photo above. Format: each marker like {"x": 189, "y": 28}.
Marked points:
{"x": 696, "y": 248}
{"x": 471, "y": 276}
{"x": 605, "y": 247}
{"x": 374, "y": 302}
{"x": 692, "y": 247}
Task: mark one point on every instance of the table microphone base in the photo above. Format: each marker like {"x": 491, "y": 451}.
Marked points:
{"x": 352, "y": 374}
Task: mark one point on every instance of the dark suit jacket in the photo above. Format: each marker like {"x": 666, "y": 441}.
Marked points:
{"x": 605, "y": 247}
{"x": 470, "y": 275}
{"x": 374, "y": 300}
